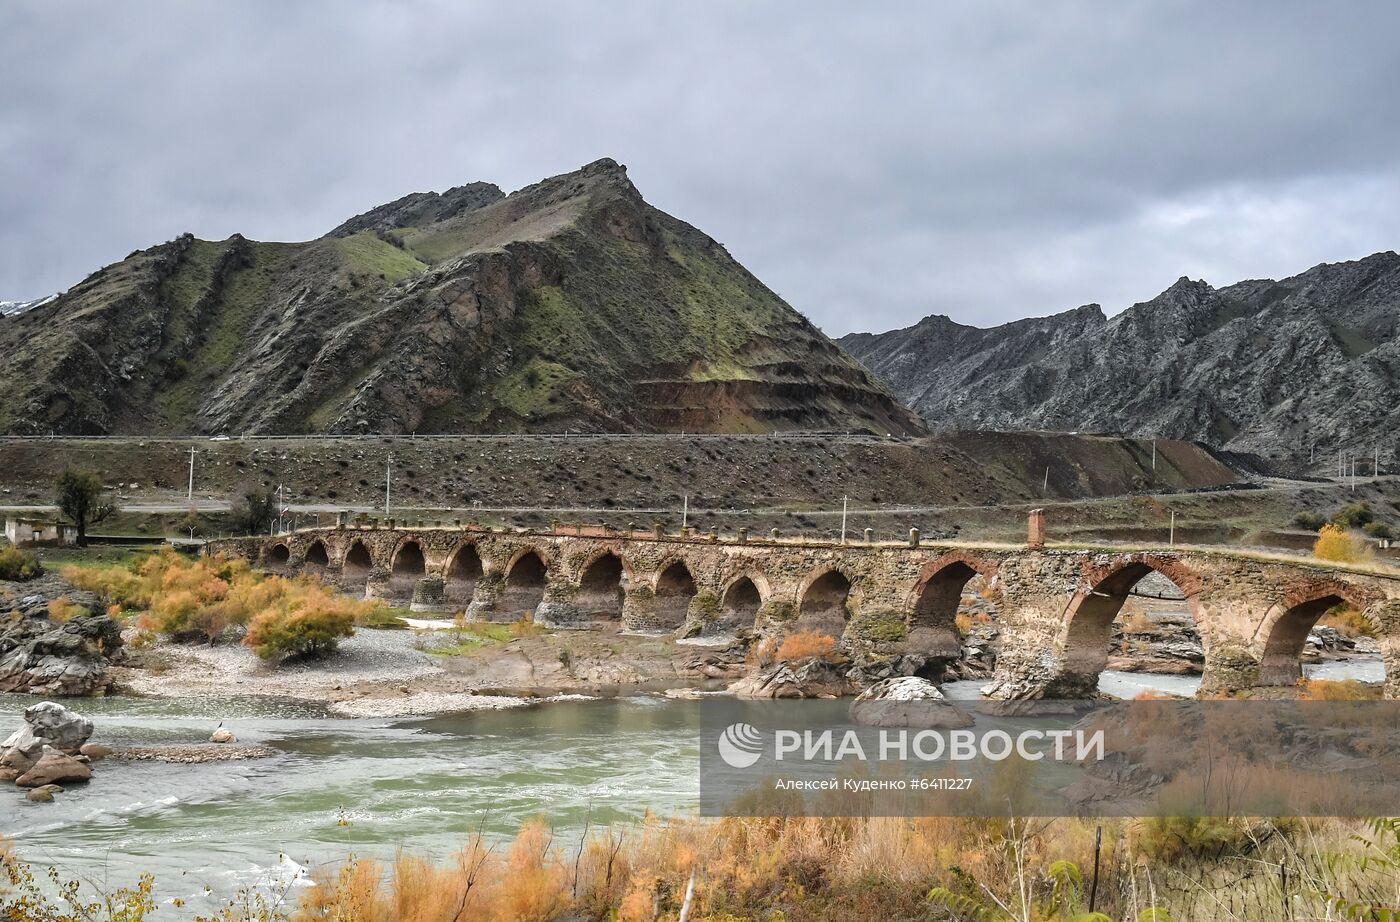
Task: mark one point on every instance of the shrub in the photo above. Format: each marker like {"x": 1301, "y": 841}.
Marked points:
{"x": 1354, "y": 515}
{"x": 18, "y": 566}
{"x": 966, "y": 621}
{"x": 1379, "y": 530}
{"x": 806, "y": 645}
{"x": 312, "y": 628}
{"x": 1333, "y": 543}
{"x": 184, "y": 597}
{"x": 64, "y": 609}
{"x": 1348, "y": 621}
{"x": 1309, "y": 520}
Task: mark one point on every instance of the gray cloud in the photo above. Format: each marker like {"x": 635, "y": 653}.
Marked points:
{"x": 873, "y": 163}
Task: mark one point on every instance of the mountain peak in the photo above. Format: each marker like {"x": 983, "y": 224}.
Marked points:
{"x": 570, "y": 304}
{"x": 1260, "y": 366}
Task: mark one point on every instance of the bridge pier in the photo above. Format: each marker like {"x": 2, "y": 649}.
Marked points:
{"x": 380, "y": 585}
{"x": 559, "y": 610}
{"x": 484, "y": 595}
{"x": 639, "y": 610}
{"x": 429, "y": 595}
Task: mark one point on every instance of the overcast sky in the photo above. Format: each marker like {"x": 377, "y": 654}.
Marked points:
{"x": 873, "y": 163}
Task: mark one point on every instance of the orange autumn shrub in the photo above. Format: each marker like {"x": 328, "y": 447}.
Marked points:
{"x": 802, "y": 645}
{"x": 185, "y": 597}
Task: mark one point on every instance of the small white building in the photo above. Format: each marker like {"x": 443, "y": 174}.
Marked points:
{"x": 36, "y": 532}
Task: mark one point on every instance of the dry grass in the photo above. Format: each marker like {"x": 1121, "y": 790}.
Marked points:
{"x": 840, "y": 869}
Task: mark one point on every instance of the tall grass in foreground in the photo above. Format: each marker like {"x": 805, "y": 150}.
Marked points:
{"x": 826, "y": 869}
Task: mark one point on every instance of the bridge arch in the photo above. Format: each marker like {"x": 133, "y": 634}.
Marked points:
{"x": 464, "y": 568}
{"x": 740, "y": 599}
{"x": 1286, "y": 627}
{"x": 823, "y": 602}
{"x": 278, "y": 555}
{"x": 407, "y": 565}
{"x": 602, "y": 585}
{"x": 936, "y": 596}
{"x": 316, "y": 555}
{"x": 1088, "y": 628}
{"x": 526, "y": 576}
{"x": 672, "y": 590}
{"x": 358, "y": 561}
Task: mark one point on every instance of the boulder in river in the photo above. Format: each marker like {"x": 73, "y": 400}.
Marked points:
{"x": 44, "y": 793}
{"x": 54, "y": 766}
{"x": 48, "y": 723}
{"x": 222, "y": 735}
{"x": 907, "y": 701}
{"x": 95, "y": 752}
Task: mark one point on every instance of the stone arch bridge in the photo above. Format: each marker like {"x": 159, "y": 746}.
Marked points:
{"x": 1055, "y": 605}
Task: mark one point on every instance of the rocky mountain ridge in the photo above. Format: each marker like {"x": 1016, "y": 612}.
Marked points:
{"x": 569, "y": 304}
{"x": 1308, "y": 364}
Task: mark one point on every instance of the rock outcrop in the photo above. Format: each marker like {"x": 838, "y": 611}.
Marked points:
{"x": 569, "y": 304}
{"x": 910, "y": 702}
{"x": 39, "y": 656}
{"x": 808, "y": 678}
{"x": 1266, "y": 367}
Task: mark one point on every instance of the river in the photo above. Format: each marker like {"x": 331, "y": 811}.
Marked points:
{"x": 371, "y": 786}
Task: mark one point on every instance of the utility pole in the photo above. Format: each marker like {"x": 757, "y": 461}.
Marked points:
{"x": 190, "y": 496}
{"x": 1154, "y": 454}
{"x": 1171, "y": 533}
{"x": 844, "y": 501}
{"x": 685, "y": 510}
{"x": 388, "y": 467}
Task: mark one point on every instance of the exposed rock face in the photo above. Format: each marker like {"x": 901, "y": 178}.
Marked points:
{"x": 571, "y": 303}
{"x": 810, "y": 678}
{"x": 908, "y": 701}
{"x": 1260, "y": 366}
{"x": 40, "y": 657}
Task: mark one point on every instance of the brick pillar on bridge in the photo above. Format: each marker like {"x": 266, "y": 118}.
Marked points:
{"x": 1035, "y": 530}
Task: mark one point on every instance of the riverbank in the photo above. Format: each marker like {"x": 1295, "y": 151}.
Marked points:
{"x": 406, "y": 673}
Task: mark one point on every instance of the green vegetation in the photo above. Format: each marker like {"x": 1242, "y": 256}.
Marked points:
{"x": 1354, "y": 515}
{"x": 366, "y": 254}
{"x": 254, "y": 510}
{"x": 1379, "y": 530}
{"x": 467, "y": 637}
{"x": 884, "y": 625}
{"x": 1311, "y": 521}
{"x": 80, "y": 500}
{"x": 17, "y": 566}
